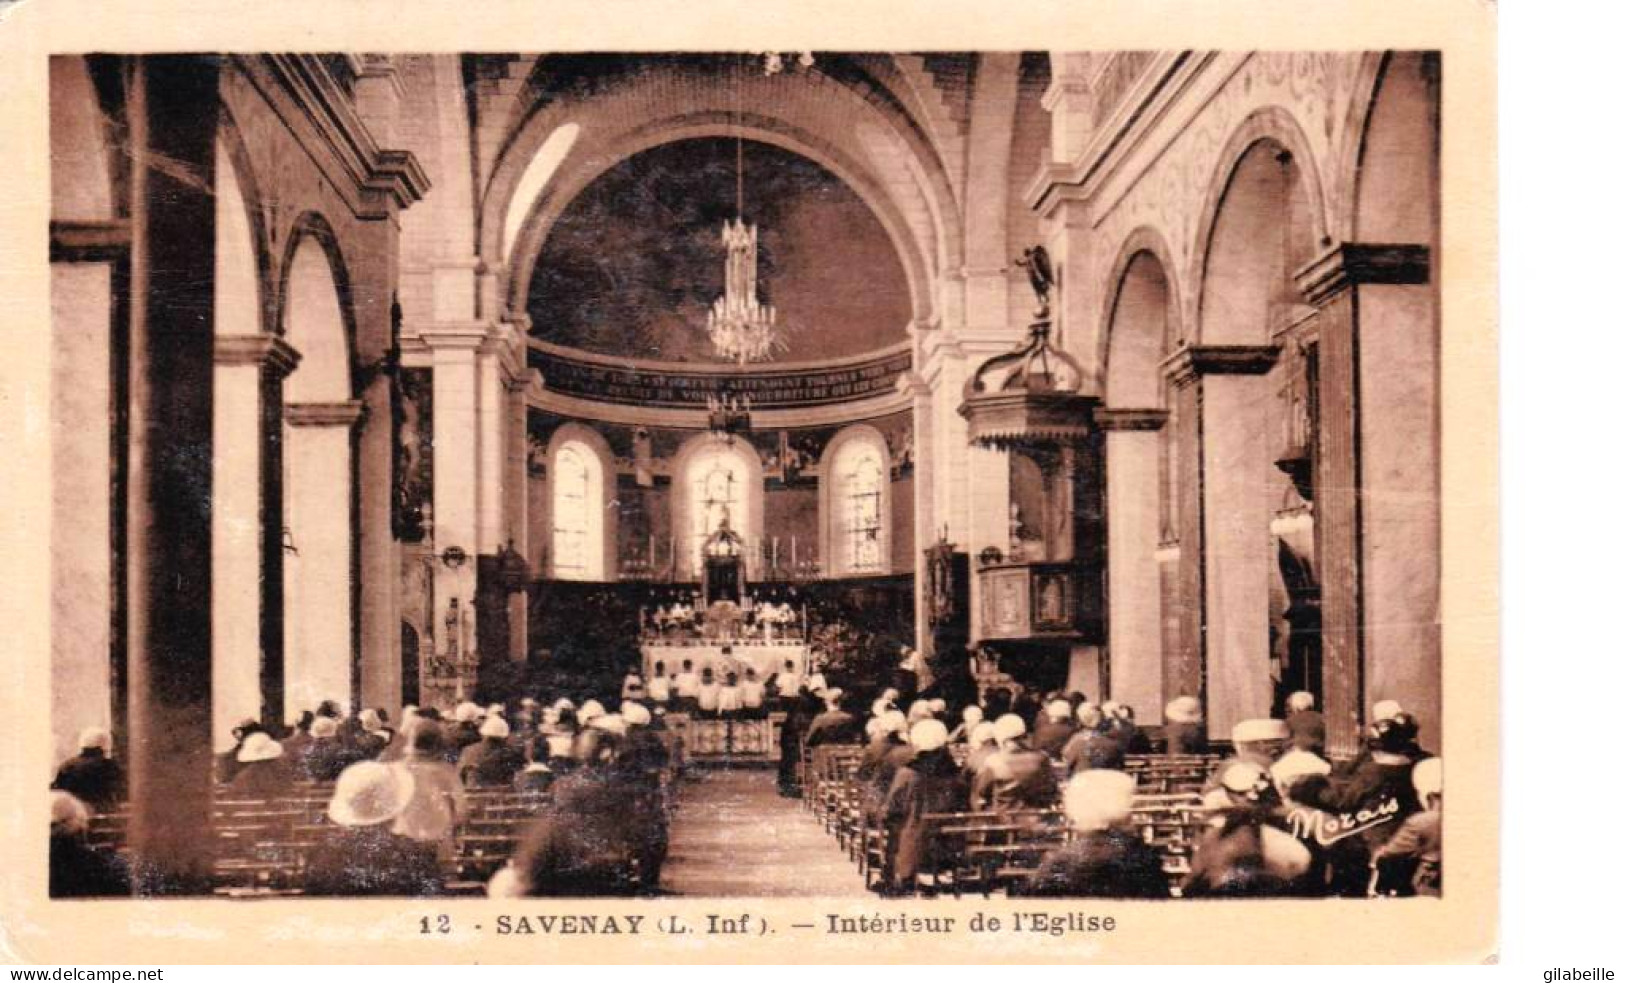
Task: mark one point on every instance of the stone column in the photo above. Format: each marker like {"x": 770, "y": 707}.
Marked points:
{"x": 925, "y": 529}
{"x": 1133, "y": 525}
{"x": 516, "y": 509}
{"x": 247, "y": 497}
{"x": 1375, "y": 483}
{"x": 377, "y": 615}
{"x": 174, "y": 104}
{"x": 453, "y": 348}
{"x": 1231, "y": 530}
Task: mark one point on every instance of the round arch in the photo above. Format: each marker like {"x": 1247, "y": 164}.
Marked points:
{"x": 685, "y": 504}
{"x": 832, "y": 528}
{"x": 1145, "y": 245}
{"x": 602, "y": 530}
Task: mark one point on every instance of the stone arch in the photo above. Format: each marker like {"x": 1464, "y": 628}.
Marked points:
{"x": 1144, "y": 248}
{"x": 320, "y": 504}
{"x": 748, "y": 526}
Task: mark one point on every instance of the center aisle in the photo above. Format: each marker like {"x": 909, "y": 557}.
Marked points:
{"x": 735, "y": 836}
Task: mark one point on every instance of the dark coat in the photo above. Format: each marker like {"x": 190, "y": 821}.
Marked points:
{"x": 583, "y": 844}
{"x": 1410, "y": 862}
{"x": 1014, "y": 779}
{"x": 325, "y": 758}
{"x": 833, "y": 727}
{"x": 879, "y": 767}
{"x": 1186, "y": 738}
{"x": 534, "y": 780}
{"x": 1091, "y": 749}
{"x": 930, "y": 783}
{"x": 1229, "y": 863}
{"x": 92, "y": 778}
{"x": 1307, "y": 731}
{"x": 1380, "y": 787}
{"x": 492, "y": 762}
{"x": 262, "y": 779}
{"x": 1050, "y": 736}
{"x": 1110, "y": 863}
{"x": 79, "y": 870}
{"x": 371, "y": 861}
{"x": 460, "y": 735}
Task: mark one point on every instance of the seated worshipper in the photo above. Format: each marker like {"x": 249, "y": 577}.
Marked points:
{"x": 1366, "y": 806}
{"x": 1258, "y": 741}
{"x": 374, "y": 736}
{"x": 660, "y": 686}
{"x": 225, "y": 763}
{"x": 524, "y": 720}
{"x": 465, "y": 730}
{"x": 494, "y": 760}
{"x": 646, "y": 752}
{"x": 982, "y": 743}
{"x": 263, "y": 770}
{"x": 1182, "y": 726}
{"x": 1410, "y": 862}
{"x": 589, "y": 711}
{"x": 360, "y": 855}
{"x": 1055, "y": 728}
{"x": 834, "y": 725}
{"x": 396, "y": 749}
{"x": 643, "y": 759}
{"x": 1106, "y": 858}
{"x": 1307, "y": 823}
{"x": 79, "y": 870}
{"x": 1016, "y": 776}
{"x": 1412, "y": 728}
{"x": 786, "y": 684}
{"x": 968, "y": 719}
{"x": 434, "y": 802}
{"x": 92, "y": 776}
{"x": 325, "y": 755}
{"x": 1242, "y": 853}
{"x": 886, "y": 751}
{"x": 560, "y": 726}
{"x": 585, "y": 841}
{"x": 927, "y": 782}
{"x": 752, "y": 694}
{"x": 919, "y": 710}
{"x": 1128, "y": 732}
{"x": 708, "y": 694}
{"x": 686, "y": 685}
{"x": 536, "y": 776}
{"x": 294, "y": 745}
{"x": 632, "y": 686}
{"x": 1092, "y": 747}
{"x": 729, "y": 699}
{"x": 1306, "y": 728}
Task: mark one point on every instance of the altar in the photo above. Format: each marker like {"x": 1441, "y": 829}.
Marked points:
{"x": 723, "y": 657}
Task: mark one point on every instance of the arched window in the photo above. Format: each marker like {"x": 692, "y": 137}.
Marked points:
{"x": 718, "y": 484}
{"x": 578, "y": 521}
{"x": 856, "y": 504}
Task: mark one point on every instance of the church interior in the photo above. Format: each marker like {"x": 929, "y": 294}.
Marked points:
{"x": 403, "y": 396}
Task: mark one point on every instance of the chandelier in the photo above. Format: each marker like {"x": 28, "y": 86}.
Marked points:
{"x": 742, "y": 328}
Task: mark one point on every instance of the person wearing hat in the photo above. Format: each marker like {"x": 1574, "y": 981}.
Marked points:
{"x": 92, "y": 776}
{"x": 585, "y": 841}
{"x": 588, "y": 712}
{"x": 1243, "y": 852}
{"x": 225, "y": 763}
{"x": 928, "y": 781}
{"x": 1092, "y": 747}
{"x": 1055, "y": 727}
{"x": 374, "y": 736}
{"x": 325, "y": 755}
{"x": 982, "y": 743}
{"x": 1105, "y": 858}
{"x": 493, "y": 761}
{"x": 77, "y": 869}
{"x": 968, "y": 719}
{"x": 1016, "y": 776}
{"x": 361, "y": 855}
{"x": 435, "y": 802}
{"x": 1182, "y": 727}
{"x": 1121, "y": 727}
{"x": 1410, "y": 863}
{"x": 1258, "y": 741}
{"x": 297, "y": 741}
{"x": 537, "y": 776}
{"x": 834, "y": 725}
{"x": 919, "y": 710}
{"x": 1305, "y": 725}
{"x": 464, "y": 730}
{"x": 886, "y": 751}
{"x": 263, "y": 771}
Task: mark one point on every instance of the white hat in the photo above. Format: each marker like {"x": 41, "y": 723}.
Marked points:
{"x": 1058, "y": 710}
{"x": 1099, "y": 799}
{"x": 1298, "y": 764}
{"x": 563, "y": 703}
{"x": 494, "y": 726}
{"x": 496, "y": 708}
{"x": 1300, "y": 701}
{"x": 1009, "y": 727}
{"x": 893, "y": 722}
{"x": 1089, "y": 715}
{"x": 919, "y": 710}
{"x": 879, "y": 707}
{"x": 1428, "y": 777}
{"x": 972, "y": 715}
{"x": 636, "y": 714}
{"x": 610, "y": 723}
{"x": 928, "y": 734}
{"x": 1110, "y": 707}
{"x": 324, "y": 727}
{"x": 1241, "y": 778}
{"x": 1183, "y": 710}
{"x": 369, "y": 793}
{"x": 589, "y": 710}
{"x": 68, "y": 814}
{"x": 95, "y": 738}
{"x": 370, "y": 719}
{"x": 834, "y": 694}
{"x": 982, "y": 733}
{"x": 1385, "y": 710}
{"x": 871, "y": 727}
{"x": 890, "y": 694}
{"x": 939, "y": 705}
{"x": 1259, "y": 729}
{"x": 467, "y": 713}
{"x": 259, "y": 746}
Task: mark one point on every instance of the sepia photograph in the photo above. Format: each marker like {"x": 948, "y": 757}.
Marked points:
{"x": 858, "y": 482}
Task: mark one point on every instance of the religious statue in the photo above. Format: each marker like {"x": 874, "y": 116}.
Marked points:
{"x": 1035, "y": 261}
{"x": 454, "y": 628}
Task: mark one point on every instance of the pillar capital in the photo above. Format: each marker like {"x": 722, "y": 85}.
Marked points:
{"x": 1125, "y": 420}
{"x": 265, "y": 350}
{"x": 1191, "y": 362}
{"x": 339, "y": 414}
{"x": 1348, "y": 264}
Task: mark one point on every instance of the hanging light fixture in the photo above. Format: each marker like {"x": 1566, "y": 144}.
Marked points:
{"x": 741, "y": 327}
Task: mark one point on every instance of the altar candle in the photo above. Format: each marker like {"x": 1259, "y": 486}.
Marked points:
{"x": 775, "y": 552}
{"x": 792, "y": 551}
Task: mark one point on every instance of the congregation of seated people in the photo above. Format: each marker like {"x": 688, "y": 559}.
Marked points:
{"x": 395, "y": 799}
{"x": 1275, "y": 817}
